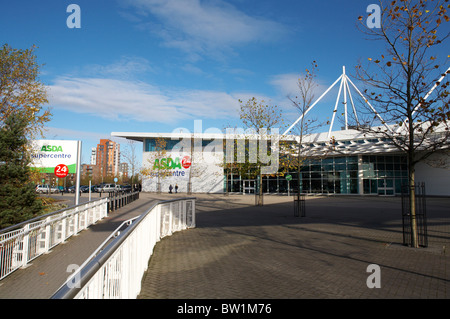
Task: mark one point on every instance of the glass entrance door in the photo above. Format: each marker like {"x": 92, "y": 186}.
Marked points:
{"x": 249, "y": 186}
{"x": 386, "y": 186}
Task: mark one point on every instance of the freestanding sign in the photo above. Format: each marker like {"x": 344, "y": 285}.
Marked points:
{"x": 48, "y": 154}
{"x": 60, "y": 157}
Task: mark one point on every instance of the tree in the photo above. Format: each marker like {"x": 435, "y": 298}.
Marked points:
{"x": 307, "y": 87}
{"x": 407, "y": 90}
{"x": 21, "y": 91}
{"x": 197, "y": 155}
{"x": 232, "y": 161}
{"x": 18, "y": 200}
{"x": 259, "y": 117}
{"x": 22, "y": 118}
{"x": 131, "y": 159}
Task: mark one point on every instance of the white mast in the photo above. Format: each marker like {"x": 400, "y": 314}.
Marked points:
{"x": 343, "y": 86}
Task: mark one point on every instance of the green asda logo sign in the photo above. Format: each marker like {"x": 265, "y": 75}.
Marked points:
{"x": 51, "y": 148}
{"x": 172, "y": 163}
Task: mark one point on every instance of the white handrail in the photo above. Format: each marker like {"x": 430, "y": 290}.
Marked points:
{"x": 38, "y": 236}
{"x": 21, "y": 243}
{"x": 117, "y": 270}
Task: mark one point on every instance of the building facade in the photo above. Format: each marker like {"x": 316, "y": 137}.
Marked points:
{"x": 355, "y": 164}
{"x": 93, "y": 160}
{"x": 197, "y": 169}
{"x": 123, "y": 171}
{"x": 107, "y": 158}
{"x": 89, "y": 171}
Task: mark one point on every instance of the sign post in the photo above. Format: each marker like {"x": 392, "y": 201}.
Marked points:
{"x": 77, "y": 187}
{"x": 289, "y": 178}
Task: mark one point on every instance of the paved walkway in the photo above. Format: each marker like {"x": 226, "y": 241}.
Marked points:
{"x": 238, "y": 250}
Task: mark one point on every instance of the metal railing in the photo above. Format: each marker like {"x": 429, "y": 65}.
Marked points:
{"x": 299, "y": 205}
{"x": 420, "y": 215}
{"x": 119, "y": 199}
{"x": 21, "y": 243}
{"x": 115, "y": 270}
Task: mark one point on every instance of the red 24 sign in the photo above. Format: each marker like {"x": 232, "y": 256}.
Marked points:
{"x": 61, "y": 170}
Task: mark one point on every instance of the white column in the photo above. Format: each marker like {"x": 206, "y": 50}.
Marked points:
{"x": 360, "y": 176}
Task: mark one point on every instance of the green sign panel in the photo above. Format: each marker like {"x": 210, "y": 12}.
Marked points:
{"x": 289, "y": 177}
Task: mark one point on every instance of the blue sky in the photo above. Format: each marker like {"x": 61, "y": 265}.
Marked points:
{"x": 155, "y": 66}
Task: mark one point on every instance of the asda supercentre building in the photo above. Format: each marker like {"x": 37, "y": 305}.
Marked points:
{"x": 357, "y": 164}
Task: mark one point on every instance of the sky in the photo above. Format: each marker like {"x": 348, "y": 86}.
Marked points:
{"x": 159, "y": 65}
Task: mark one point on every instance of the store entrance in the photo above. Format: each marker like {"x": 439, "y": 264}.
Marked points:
{"x": 249, "y": 186}
{"x": 386, "y": 186}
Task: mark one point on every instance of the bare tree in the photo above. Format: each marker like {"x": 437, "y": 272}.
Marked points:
{"x": 131, "y": 159}
{"x": 259, "y": 117}
{"x": 307, "y": 87}
{"x": 406, "y": 83}
{"x": 196, "y": 168}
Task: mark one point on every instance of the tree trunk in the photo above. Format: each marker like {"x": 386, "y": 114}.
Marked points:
{"x": 260, "y": 197}
{"x": 226, "y": 182}
{"x": 412, "y": 203}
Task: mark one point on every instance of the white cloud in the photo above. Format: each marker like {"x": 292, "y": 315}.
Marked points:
{"x": 64, "y": 133}
{"x": 193, "y": 69}
{"x": 286, "y": 84}
{"x": 203, "y": 27}
{"x": 127, "y": 67}
{"x": 139, "y": 101}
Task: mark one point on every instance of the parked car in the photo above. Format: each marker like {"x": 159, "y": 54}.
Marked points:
{"x": 46, "y": 189}
{"x": 126, "y": 188}
{"x": 107, "y": 188}
{"x": 42, "y": 189}
{"x": 84, "y": 189}
{"x": 98, "y": 188}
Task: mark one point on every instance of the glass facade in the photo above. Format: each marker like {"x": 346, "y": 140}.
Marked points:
{"x": 332, "y": 175}
{"x": 150, "y": 144}
{"x": 384, "y": 175}
{"x": 381, "y": 175}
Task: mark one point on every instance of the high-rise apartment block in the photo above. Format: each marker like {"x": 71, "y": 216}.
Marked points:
{"x": 94, "y": 156}
{"x": 123, "y": 171}
{"x": 107, "y": 157}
